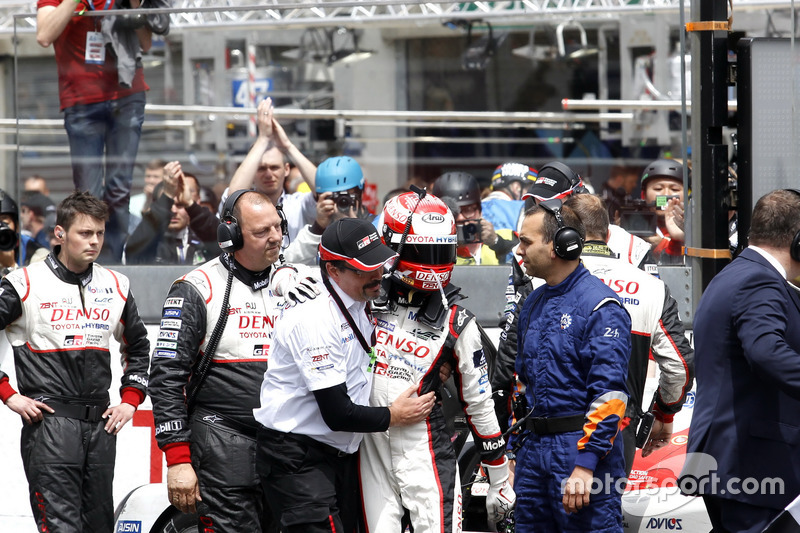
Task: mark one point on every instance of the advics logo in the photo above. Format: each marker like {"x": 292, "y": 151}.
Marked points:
{"x": 665, "y": 523}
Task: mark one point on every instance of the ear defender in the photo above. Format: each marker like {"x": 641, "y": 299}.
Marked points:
{"x": 567, "y": 242}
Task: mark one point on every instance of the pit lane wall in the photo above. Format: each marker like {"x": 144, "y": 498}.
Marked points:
{"x": 139, "y": 461}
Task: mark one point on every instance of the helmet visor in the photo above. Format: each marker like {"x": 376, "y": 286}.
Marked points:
{"x": 428, "y": 254}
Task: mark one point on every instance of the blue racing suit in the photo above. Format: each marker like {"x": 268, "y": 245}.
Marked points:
{"x": 573, "y": 346}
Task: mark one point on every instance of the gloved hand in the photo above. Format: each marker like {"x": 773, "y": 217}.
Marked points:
{"x": 501, "y": 498}
{"x": 294, "y": 284}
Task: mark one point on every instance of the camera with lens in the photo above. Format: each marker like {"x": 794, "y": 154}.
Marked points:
{"x": 469, "y": 232}
{"x": 638, "y": 218}
{"x": 345, "y": 201}
{"x": 8, "y": 238}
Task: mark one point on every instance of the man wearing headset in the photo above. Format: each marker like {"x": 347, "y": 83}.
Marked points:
{"x": 60, "y": 315}
{"x": 207, "y": 366}
{"x": 573, "y": 350}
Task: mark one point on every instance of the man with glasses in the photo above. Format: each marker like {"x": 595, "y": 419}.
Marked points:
{"x": 266, "y": 167}
{"x": 479, "y": 242}
{"x": 315, "y": 393}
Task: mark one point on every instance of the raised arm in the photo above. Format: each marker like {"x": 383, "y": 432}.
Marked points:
{"x": 243, "y": 177}
{"x": 307, "y": 169}
{"x": 51, "y": 21}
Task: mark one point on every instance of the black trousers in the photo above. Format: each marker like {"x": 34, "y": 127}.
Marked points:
{"x": 69, "y": 464}
{"x": 225, "y": 462}
{"x": 311, "y": 486}
{"x": 729, "y": 516}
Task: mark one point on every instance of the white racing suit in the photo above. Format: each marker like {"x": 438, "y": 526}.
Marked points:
{"x": 414, "y": 467}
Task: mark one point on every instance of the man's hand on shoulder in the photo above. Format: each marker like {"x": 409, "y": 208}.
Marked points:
{"x": 117, "y": 417}
{"x": 408, "y": 408}
{"x": 182, "y": 487}
{"x": 29, "y": 409}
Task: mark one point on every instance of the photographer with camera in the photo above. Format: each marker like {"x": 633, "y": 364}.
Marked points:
{"x": 15, "y": 249}
{"x": 479, "y": 243}
{"x": 339, "y": 184}
{"x": 102, "y": 95}
{"x": 662, "y": 191}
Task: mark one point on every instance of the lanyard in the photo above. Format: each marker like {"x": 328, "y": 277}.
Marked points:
{"x": 91, "y": 5}
{"x": 347, "y": 316}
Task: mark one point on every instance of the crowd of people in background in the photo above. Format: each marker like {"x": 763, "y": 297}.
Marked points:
{"x": 269, "y": 425}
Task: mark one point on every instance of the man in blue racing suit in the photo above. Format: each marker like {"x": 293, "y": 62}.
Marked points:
{"x": 573, "y": 348}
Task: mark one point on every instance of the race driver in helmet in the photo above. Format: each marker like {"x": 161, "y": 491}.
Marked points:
{"x": 339, "y": 185}
{"x": 420, "y": 327}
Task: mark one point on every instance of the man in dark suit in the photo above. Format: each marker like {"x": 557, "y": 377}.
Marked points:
{"x": 743, "y": 443}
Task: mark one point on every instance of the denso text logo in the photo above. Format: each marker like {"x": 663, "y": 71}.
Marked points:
{"x": 77, "y": 314}
{"x": 256, "y": 321}
{"x": 401, "y": 344}
{"x": 620, "y": 285}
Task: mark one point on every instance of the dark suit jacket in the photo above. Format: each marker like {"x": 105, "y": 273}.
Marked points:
{"x": 747, "y": 359}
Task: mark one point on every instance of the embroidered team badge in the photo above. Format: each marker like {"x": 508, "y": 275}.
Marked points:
{"x": 566, "y": 321}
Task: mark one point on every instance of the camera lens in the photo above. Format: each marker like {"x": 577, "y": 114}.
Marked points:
{"x": 8, "y": 238}
{"x": 344, "y": 202}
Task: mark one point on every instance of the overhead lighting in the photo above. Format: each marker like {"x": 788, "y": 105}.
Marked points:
{"x": 479, "y": 52}
{"x": 329, "y": 46}
{"x": 533, "y": 52}
{"x": 345, "y": 55}
{"x": 575, "y": 52}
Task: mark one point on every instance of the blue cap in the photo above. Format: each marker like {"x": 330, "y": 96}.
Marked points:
{"x": 338, "y": 174}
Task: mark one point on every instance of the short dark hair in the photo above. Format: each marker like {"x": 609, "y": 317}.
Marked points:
{"x": 551, "y": 225}
{"x": 776, "y": 219}
{"x": 80, "y": 203}
{"x": 593, "y": 213}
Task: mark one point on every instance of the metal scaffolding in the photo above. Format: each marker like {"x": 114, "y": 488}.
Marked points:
{"x": 251, "y": 14}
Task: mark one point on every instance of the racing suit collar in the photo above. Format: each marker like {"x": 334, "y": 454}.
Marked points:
{"x": 255, "y": 280}
{"x": 66, "y": 275}
{"x": 597, "y": 248}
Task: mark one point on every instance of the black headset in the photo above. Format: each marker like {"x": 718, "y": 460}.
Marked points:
{"x": 567, "y": 242}
{"x": 575, "y": 180}
{"x": 794, "y": 248}
{"x": 229, "y": 234}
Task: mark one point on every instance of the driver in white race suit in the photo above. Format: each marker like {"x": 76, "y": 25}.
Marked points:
{"x": 420, "y": 327}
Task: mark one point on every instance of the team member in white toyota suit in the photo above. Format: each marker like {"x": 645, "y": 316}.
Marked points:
{"x": 421, "y": 327}
{"x": 60, "y": 316}
{"x": 210, "y": 356}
